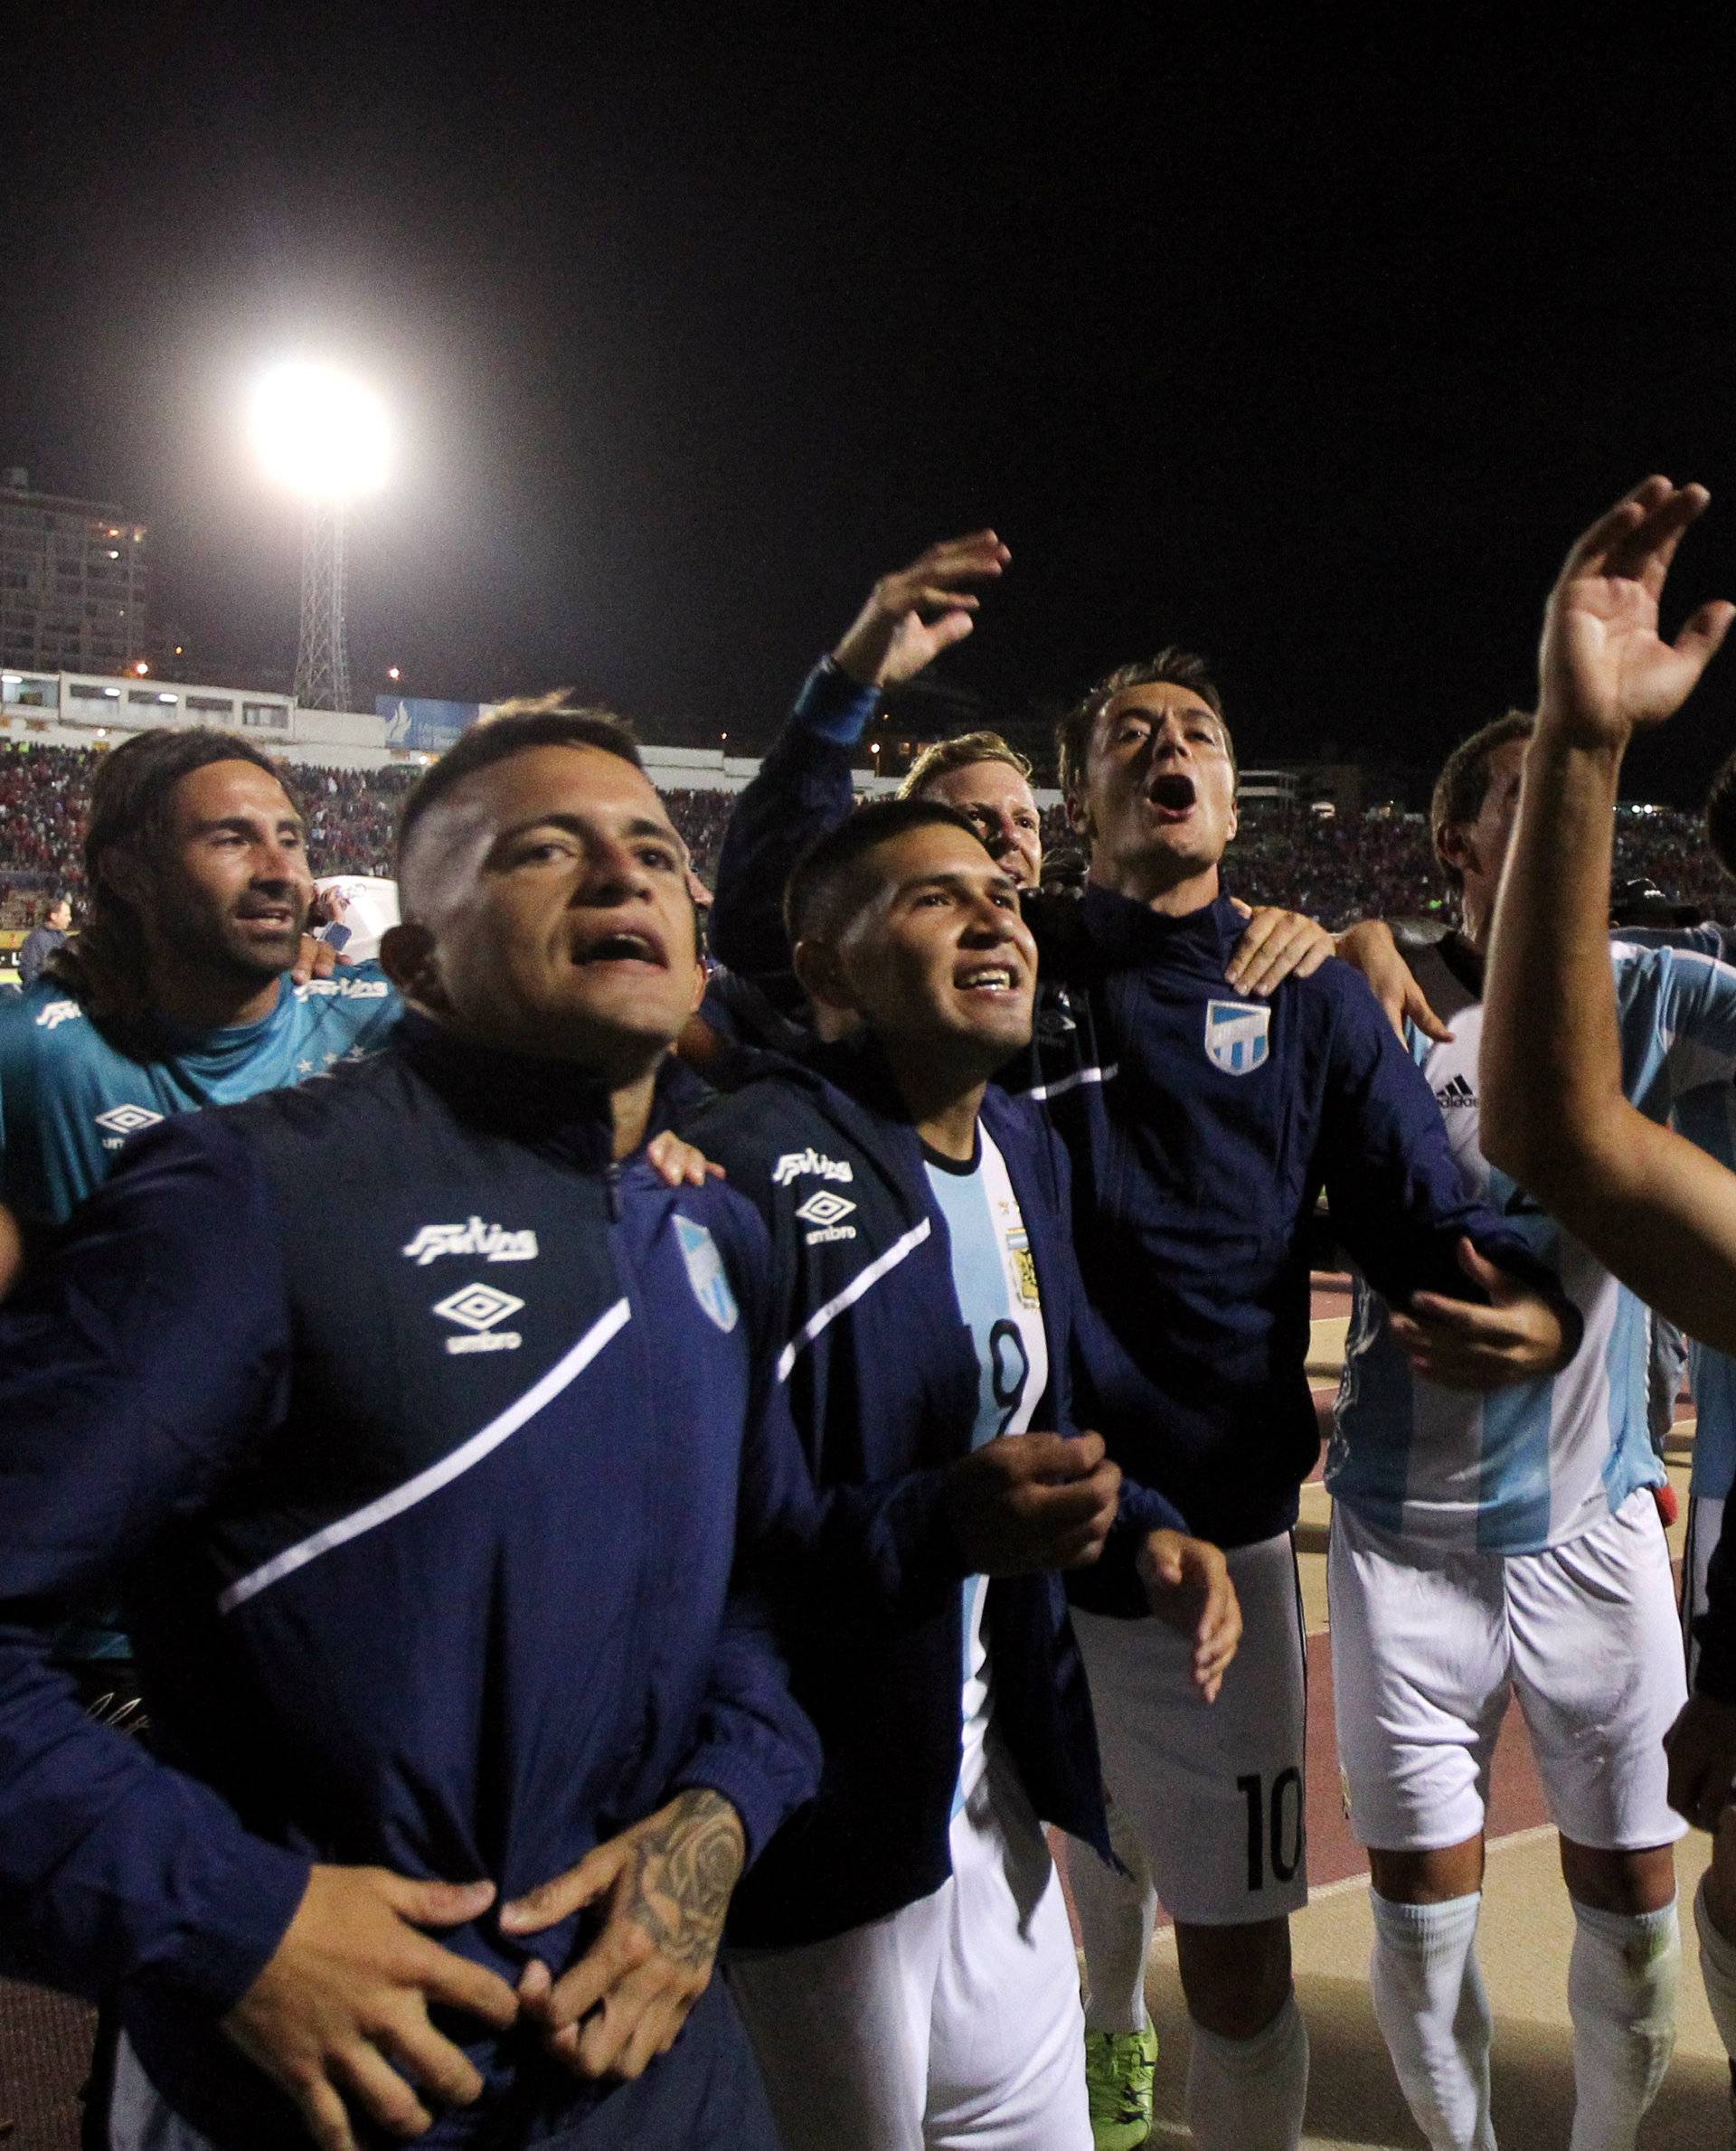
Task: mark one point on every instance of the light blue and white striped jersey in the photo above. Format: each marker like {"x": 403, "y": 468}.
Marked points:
{"x": 1707, "y": 1116}
{"x": 1535, "y": 1465}
{"x": 995, "y": 1278}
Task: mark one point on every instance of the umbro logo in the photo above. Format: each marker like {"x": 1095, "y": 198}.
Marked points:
{"x": 122, "y": 1121}
{"x": 804, "y": 1164}
{"x": 495, "y": 1243}
{"x": 1459, "y": 1092}
{"x": 478, "y": 1308}
{"x": 827, "y": 1212}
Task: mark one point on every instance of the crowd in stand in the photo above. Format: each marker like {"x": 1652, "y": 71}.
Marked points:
{"x": 45, "y": 791}
{"x": 1336, "y": 869}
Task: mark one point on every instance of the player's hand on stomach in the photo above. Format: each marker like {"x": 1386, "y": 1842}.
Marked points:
{"x": 1276, "y": 944}
{"x": 664, "y": 1888}
{"x": 1188, "y": 1587}
{"x": 1369, "y": 947}
{"x": 1701, "y": 1749}
{"x": 1027, "y": 1502}
{"x": 340, "y": 2012}
{"x": 1519, "y": 1336}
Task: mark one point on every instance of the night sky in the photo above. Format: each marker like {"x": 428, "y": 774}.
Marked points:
{"x": 1304, "y": 345}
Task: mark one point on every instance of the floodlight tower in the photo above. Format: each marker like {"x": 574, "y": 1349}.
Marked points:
{"x": 325, "y": 436}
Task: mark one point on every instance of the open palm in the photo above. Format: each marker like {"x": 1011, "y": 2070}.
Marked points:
{"x": 1605, "y": 668}
{"x": 912, "y": 617}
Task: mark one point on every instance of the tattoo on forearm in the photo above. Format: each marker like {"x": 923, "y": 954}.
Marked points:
{"x": 684, "y": 1869}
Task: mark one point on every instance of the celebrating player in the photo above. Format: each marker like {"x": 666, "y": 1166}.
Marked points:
{"x": 804, "y": 786}
{"x": 1201, "y": 1126}
{"x": 906, "y": 1967}
{"x": 430, "y": 1543}
{"x": 1654, "y": 1206}
{"x": 1497, "y": 1545}
{"x": 177, "y": 992}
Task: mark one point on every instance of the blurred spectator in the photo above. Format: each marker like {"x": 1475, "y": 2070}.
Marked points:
{"x": 41, "y": 942}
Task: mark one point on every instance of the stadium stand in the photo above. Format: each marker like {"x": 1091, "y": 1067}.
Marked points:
{"x": 1337, "y": 869}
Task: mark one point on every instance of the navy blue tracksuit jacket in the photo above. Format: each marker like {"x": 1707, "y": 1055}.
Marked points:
{"x": 882, "y": 1380}
{"x": 424, "y": 1438}
{"x": 1202, "y": 1130}
{"x": 1194, "y": 1177}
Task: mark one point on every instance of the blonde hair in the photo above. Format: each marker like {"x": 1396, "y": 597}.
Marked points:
{"x": 947, "y": 755}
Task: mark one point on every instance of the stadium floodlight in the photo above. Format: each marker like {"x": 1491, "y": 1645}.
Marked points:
{"x": 325, "y": 435}
{"x": 320, "y": 432}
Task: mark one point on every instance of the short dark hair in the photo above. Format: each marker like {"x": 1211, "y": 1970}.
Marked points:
{"x": 516, "y": 727}
{"x": 1172, "y": 668}
{"x": 130, "y": 804}
{"x": 1721, "y": 816}
{"x": 1463, "y": 784}
{"x": 817, "y": 880}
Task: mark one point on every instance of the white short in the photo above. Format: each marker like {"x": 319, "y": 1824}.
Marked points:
{"x": 955, "y": 2022}
{"x": 1706, "y": 1526}
{"x": 1428, "y": 1644}
{"x": 1216, "y": 1791}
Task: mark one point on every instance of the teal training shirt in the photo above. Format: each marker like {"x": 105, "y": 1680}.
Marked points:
{"x": 69, "y": 1096}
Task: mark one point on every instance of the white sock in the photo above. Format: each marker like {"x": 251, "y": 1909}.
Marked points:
{"x": 1718, "y": 1969}
{"x": 1621, "y": 1992}
{"x": 1249, "y": 2094}
{"x": 1434, "y": 2015}
{"x": 1115, "y": 1918}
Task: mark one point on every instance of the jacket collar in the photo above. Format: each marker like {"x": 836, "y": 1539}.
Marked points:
{"x": 1126, "y": 933}
{"x": 551, "y": 1103}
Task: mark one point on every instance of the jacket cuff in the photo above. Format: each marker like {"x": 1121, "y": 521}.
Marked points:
{"x": 834, "y": 705}
{"x": 762, "y": 1805}
{"x": 249, "y": 1900}
{"x": 1112, "y": 1584}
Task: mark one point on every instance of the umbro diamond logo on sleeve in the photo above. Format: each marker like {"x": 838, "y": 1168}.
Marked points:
{"x": 122, "y": 1121}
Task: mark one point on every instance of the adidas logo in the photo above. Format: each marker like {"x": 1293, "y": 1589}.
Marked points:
{"x": 1459, "y": 1092}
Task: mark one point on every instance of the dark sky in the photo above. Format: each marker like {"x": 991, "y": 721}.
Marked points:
{"x": 1304, "y": 345}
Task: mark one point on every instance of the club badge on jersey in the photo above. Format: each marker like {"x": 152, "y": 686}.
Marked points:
{"x": 1236, "y": 1035}
{"x": 705, "y": 1273}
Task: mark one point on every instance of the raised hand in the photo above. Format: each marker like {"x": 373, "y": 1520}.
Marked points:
{"x": 912, "y": 617}
{"x": 665, "y": 1886}
{"x": 1605, "y": 670}
{"x": 1519, "y": 1336}
{"x": 1033, "y": 1501}
{"x": 341, "y": 2008}
{"x": 1188, "y": 1587}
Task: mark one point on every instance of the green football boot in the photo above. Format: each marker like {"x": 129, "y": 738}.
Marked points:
{"x": 1119, "y": 2071}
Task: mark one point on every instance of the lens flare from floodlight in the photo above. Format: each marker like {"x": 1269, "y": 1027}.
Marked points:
{"x": 320, "y": 432}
